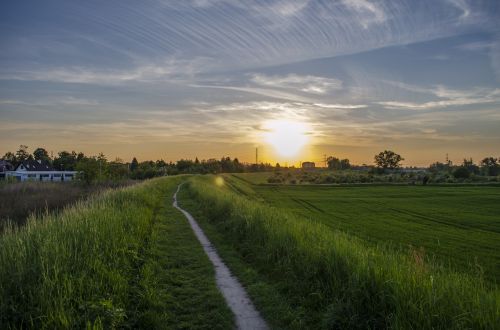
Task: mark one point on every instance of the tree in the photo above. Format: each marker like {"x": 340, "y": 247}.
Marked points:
{"x": 470, "y": 166}
{"x": 88, "y": 170}
{"x": 490, "y": 166}
{"x": 134, "y": 164}
{"x": 335, "y": 163}
{"x": 22, "y": 154}
{"x": 388, "y": 159}
{"x": 461, "y": 172}
{"x": 11, "y": 158}
{"x": 41, "y": 154}
{"x": 65, "y": 161}
{"x": 440, "y": 167}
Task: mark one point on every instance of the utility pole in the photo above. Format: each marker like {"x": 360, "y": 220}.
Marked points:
{"x": 324, "y": 159}
{"x": 256, "y": 156}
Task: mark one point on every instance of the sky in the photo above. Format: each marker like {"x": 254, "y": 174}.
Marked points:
{"x": 169, "y": 79}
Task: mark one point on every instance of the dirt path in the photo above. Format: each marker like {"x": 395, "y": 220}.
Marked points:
{"x": 247, "y": 317}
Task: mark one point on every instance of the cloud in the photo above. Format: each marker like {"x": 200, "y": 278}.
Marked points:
{"x": 463, "y": 6}
{"x": 368, "y": 12}
{"x": 53, "y": 101}
{"x": 450, "y": 97}
{"x": 341, "y": 106}
{"x": 167, "y": 70}
{"x": 276, "y": 94}
{"x": 307, "y": 84}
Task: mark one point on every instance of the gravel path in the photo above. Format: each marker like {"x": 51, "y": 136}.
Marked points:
{"x": 247, "y": 317}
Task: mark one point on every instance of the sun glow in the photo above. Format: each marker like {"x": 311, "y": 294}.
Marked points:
{"x": 286, "y": 136}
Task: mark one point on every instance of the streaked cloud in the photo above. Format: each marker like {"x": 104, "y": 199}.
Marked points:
{"x": 448, "y": 97}
{"x": 368, "y": 12}
{"x": 306, "y": 84}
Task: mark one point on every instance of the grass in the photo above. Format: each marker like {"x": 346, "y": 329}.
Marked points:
{"x": 18, "y": 200}
{"x": 330, "y": 279}
{"x": 122, "y": 259}
{"x": 457, "y": 225}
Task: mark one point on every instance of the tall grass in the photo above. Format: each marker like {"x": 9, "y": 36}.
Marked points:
{"x": 18, "y": 200}
{"x": 78, "y": 268}
{"x": 339, "y": 281}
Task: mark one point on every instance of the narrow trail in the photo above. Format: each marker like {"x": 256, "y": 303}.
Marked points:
{"x": 247, "y": 317}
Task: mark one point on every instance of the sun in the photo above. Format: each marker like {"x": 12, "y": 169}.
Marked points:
{"x": 286, "y": 136}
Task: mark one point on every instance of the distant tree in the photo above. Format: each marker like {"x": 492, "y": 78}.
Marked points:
{"x": 22, "y": 154}
{"x": 440, "y": 167}
{"x": 184, "y": 165}
{"x": 88, "y": 169}
{"x": 335, "y": 163}
{"x": 65, "y": 161}
{"x": 470, "y": 166}
{"x": 41, "y": 154}
{"x": 461, "y": 172}
{"x": 237, "y": 166}
{"x": 490, "y": 166}
{"x": 11, "y": 158}
{"x": 388, "y": 159}
{"x": 160, "y": 164}
{"x": 116, "y": 170}
{"x": 345, "y": 164}
{"x": 134, "y": 164}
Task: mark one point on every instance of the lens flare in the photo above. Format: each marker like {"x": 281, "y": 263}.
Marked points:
{"x": 219, "y": 181}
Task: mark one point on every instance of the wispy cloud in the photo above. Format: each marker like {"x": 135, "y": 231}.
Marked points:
{"x": 463, "y": 6}
{"x": 167, "y": 70}
{"x": 449, "y": 97}
{"x": 306, "y": 84}
{"x": 368, "y": 12}
{"x": 52, "y": 101}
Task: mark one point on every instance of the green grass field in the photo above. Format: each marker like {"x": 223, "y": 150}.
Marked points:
{"x": 311, "y": 257}
{"x": 122, "y": 259}
{"x": 459, "y": 225}
{"x": 325, "y": 278}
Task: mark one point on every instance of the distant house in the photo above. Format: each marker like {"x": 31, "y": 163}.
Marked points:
{"x": 4, "y": 167}
{"x": 308, "y": 165}
{"x": 38, "y": 170}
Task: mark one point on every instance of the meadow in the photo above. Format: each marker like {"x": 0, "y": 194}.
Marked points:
{"x": 124, "y": 258}
{"x": 303, "y": 273}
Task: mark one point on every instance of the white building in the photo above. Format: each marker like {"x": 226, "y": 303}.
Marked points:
{"x": 308, "y": 165}
{"x": 37, "y": 170}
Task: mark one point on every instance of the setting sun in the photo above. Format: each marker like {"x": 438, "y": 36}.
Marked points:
{"x": 286, "y": 136}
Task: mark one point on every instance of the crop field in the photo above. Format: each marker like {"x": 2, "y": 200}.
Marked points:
{"x": 459, "y": 225}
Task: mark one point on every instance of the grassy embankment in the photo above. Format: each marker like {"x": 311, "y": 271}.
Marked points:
{"x": 122, "y": 259}
{"x": 303, "y": 274}
{"x": 457, "y": 225}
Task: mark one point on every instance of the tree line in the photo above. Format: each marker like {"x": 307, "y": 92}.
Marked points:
{"x": 99, "y": 168}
